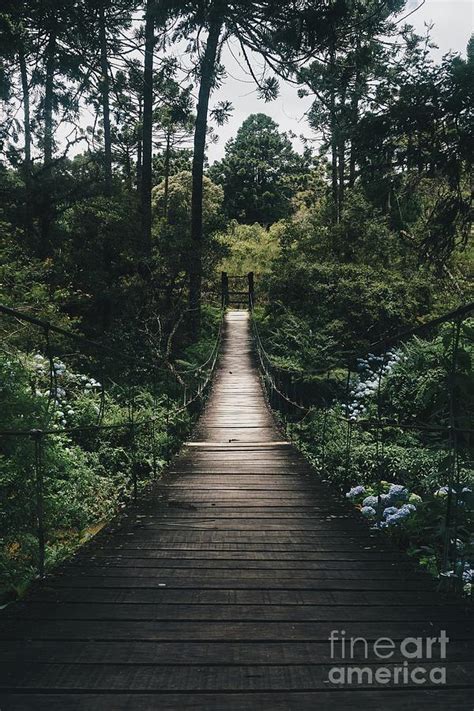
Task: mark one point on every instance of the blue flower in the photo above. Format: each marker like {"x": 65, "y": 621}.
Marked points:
{"x": 397, "y": 492}
{"x": 400, "y": 514}
{"x": 355, "y": 491}
{"x": 374, "y": 500}
{"x": 368, "y": 511}
{"x": 389, "y": 511}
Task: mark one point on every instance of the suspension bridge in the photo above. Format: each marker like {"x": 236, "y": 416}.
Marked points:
{"x": 234, "y": 585}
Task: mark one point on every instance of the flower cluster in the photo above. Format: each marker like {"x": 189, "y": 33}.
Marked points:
{"x": 355, "y": 492}
{"x": 66, "y": 386}
{"x": 392, "y": 505}
{"x": 370, "y": 369}
{"x": 393, "y": 516}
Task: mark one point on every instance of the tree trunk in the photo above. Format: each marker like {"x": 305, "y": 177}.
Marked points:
{"x": 105, "y": 91}
{"x": 352, "y": 156}
{"x": 47, "y": 208}
{"x": 167, "y": 173}
{"x": 207, "y": 76}
{"x": 333, "y": 120}
{"x": 334, "y": 171}
{"x": 27, "y": 131}
{"x": 26, "y": 111}
{"x": 389, "y": 169}
{"x": 128, "y": 169}
{"x": 341, "y": 150}
{"x": 139, "y": 148}
{"x": 341, "y": 173}
{"x": 146, "y": 172}
{"x": 354, "y": 117}
{"x": 49, "y": 98}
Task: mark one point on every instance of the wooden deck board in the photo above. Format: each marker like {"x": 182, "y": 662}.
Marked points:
{"x": 246, "y": 700}
{"x": 221, "y": 590}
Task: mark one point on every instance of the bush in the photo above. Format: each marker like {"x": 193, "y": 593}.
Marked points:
{"x": 417, "y": 390}
{"x": 88, "y": 473}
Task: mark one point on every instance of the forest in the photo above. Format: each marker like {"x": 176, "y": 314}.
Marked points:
{"x": 115, "y": 228}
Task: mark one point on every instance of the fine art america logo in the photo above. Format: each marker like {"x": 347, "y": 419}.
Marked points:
{"x": 412, "y": 661}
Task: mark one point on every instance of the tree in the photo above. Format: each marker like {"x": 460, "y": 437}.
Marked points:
{"x": 252, "y": 248}
{"x": 175, "y": 124}
{"x": 49, "y": 66}
{"x": 207, "y": 71}
{"x": 127, "y": 109}
{"x": 342, "y": 80}
{"x": 16, "y": 47}
{"x": 261, "y": 172}
{"x": 101, "y": 49}
{"x": 414, "y": 151}
{"x": 147, "y": 126}
{"x": 173, "y": 233}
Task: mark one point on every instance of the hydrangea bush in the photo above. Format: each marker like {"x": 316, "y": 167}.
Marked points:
{"x": 371, "y": 371}
{"x": 412, "y": 385}
{"x": 391, "y": 505}
{"x": 87, "y": 473}
{"x": 411, "y": 519}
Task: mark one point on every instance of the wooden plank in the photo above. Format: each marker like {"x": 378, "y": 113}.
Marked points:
{"x": 229, "y": 678}
{"x": 173, "y": 630}
{"x": 238, "y": 564}
{"x": 255, "y": 596}
{"x": 195, "y": 653}
{"x": 193, "y": 578}
{"x": 374, "y": 700}
{"x": 279, "y": 559}
{"x": 245, "y": 613}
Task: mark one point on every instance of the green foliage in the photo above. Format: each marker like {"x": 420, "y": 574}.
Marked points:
{"x": 88, "y": 471}
{"x": 349, "y": 304}
{"x": 198, "y": 352}
{"x": 418, "y": 391}
{"x": 179, "y": 161}
{"x": 293, "y": 343}
{"x": 423, "y": 386}
{"x": 172, "y": 233}
{"x": 260, "y": 173}
{"x": 250, "y": 248}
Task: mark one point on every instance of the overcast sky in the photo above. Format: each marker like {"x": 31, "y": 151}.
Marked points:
{"x": 453, "y": 25}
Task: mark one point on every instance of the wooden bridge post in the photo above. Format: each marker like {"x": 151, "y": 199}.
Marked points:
{"x": 224, "y": 290}
{"x": 251, "y": 290}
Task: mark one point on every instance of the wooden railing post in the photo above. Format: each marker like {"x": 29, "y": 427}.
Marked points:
{"x": 224, "y": 290}
{"x": 251, "y": 290}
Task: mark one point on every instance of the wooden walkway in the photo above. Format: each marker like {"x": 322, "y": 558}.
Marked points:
{"x": 222, "y": 590}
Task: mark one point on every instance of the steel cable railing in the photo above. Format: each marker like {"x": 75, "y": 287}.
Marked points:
{"x": 203, "y": 378}
{"x": 164, "y": 409}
